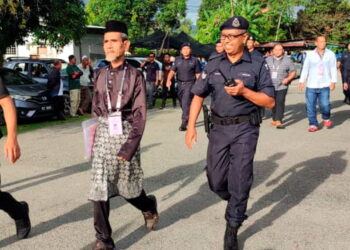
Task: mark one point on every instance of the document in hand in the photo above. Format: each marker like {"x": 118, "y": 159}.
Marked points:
{"x": 89, "y": 129}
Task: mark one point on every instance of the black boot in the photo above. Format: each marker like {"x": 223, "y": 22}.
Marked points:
{"x": 230, "y": 240}
{"x": 23, "y": 225}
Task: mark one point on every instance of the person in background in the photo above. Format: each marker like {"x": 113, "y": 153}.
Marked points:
{"x": 167, "y": 64}
{"x": 18, "y": 211}
{"x": 187, "y": 70}
{"x": 55, "y": 86}
{"x": 251, "y": 48}
{"x": 74, "y": 74}
{"x": 152, "y": 77}
{"x": 283, "y": 72}
{"x": 344, "y": 67}
{"x": 320, "y": 76}
{"x": 85, "y": 83}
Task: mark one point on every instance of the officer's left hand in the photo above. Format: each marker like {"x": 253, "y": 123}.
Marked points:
{"x": 236, "y": 90}
{"x": 332, "y": 86}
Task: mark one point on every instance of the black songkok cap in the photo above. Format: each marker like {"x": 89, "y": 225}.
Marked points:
{"x": 236, "y": 22}
{"x": 116, "y": 26}
{"x": 185, "y": 44}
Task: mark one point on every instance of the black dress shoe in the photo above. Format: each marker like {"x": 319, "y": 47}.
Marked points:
{"x": 230, "y": 240}
{"x": 99, "y": 245}
{"x": 151, "y": 217}
{"x": 23, "y": 225}
{"x": 182, "y": 128}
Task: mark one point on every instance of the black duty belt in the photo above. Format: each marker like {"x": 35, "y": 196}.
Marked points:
{"x": 184, "y": 82}
{"x": 229, "y": 120}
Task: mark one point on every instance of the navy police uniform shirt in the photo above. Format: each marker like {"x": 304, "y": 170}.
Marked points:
{"x": 254, "y": 73}
{"x": 186, "y": 69}
{"x": 345, "y": 66}
{"x": 151, "y": 71}
{"x": 255, "y": 53}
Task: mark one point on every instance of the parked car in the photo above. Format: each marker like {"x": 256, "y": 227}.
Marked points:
{"x": 132, "y": 60}
{"x": 38, "y": 70}
{"x": 31, "y": 98}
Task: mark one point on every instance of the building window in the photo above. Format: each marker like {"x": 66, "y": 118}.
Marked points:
{"x": 11, "y": 50}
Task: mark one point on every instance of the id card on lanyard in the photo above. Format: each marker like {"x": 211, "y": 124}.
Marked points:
{"x": 115, "y": 123}
{"x": 274, "y": 70}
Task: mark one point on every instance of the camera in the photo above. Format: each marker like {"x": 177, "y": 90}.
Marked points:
{"x": 230, "y": 83}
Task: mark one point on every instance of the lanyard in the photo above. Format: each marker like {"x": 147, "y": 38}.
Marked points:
{"x": 273, "y": 64}
{"x": 120, "y": 93}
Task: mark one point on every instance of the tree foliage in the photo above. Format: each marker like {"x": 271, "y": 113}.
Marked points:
{"x": 268, "y": 19}
{"x": 53, "y": 22}
{"x": 141, "y": 16}
{"x": 322, "y": 17}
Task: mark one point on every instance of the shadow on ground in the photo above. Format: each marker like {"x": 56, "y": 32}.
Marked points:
{"x": 301, "y": 180}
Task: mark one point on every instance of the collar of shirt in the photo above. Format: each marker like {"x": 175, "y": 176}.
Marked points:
{"x": 245, "y": 57}
{"x": 109, "y": 67}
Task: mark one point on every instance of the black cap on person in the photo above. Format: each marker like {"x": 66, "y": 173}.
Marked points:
{"x": 186, "y": 44}
{"x": 116, "y": 26}
{"x": 236, "y": 22}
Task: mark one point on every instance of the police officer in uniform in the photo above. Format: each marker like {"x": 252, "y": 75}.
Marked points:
{"x": 344, "y": 65}
{"x": 238, "y": 85}
{"x": 251, "y": 48}
{"x": 187, "y": 69}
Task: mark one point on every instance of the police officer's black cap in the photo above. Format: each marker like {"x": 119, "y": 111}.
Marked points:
{"x": 186, "y": 44}
{"x": 218, "y": 41}
{"x": 236, "y": 22}
{"x": 116, "y": 26}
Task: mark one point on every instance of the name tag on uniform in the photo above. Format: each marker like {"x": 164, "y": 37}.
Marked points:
{"x": 321, "y": 70}
{"x": 115, "y": 124}
{"x": 274, "y": 74}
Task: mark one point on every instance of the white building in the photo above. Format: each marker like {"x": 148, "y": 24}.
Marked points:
{"x": 91, "y": 45}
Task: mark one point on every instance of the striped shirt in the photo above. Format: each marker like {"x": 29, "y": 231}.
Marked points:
{"x": 280, "y": 69}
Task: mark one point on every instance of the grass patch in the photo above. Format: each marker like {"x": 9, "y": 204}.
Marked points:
{"x": 22, "y": 128}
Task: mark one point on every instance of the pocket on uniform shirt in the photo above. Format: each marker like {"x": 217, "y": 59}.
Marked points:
{"x": 247, "y": 78}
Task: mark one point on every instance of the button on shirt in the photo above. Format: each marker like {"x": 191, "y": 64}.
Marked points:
{"x": 280, "y": 69}
{"x": 254, "y": 74}
{"x": 151, "y": 71}
{"x": 186, "y": 69}
{"x": 319, "y": 71}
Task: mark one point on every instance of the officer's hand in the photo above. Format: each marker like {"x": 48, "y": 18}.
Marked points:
{"x": 236, "y": 90}
{"x": 190, "y": 137}
{"x": 332, "y": 86}
{"x": 12, "y": 150}
{"x": 301, "y": 86}
{"x": 346, "y": 86}
{"x": 168, "y": 84}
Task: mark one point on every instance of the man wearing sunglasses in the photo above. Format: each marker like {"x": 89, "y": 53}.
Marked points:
{"x": 238, "y": 85}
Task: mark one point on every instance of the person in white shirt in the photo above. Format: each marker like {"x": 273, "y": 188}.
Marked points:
{"x": 320, "y": 75}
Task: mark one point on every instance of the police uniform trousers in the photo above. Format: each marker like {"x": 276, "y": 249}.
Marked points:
{"x": 185, "y": 97}
{"x": 230, "y": 158}
{"x": 111, "y": 177}
{"x": 10, "y": 206}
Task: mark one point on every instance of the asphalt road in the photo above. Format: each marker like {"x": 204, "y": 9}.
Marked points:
{"x": 300, "y": 198}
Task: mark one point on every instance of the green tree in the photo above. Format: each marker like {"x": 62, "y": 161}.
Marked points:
{"x": 330, "y": 18}
{"x": 141, "y": 16}
{"x": 52, "y": 22}
{"x": 137, "y": 14}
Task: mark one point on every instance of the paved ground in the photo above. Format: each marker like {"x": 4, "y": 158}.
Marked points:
{"x": 300, "y": 198}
